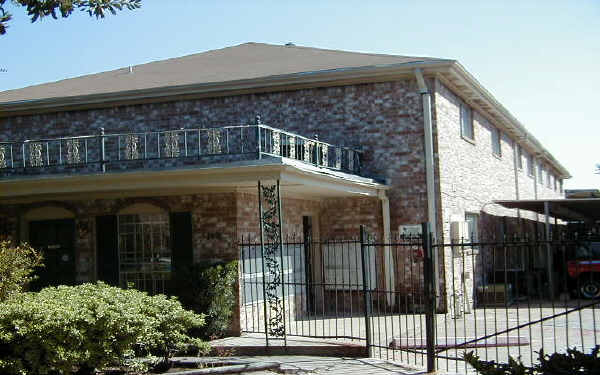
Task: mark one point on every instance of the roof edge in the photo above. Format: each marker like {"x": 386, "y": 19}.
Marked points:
{"x": 260, "y": 84}
{"x": 459, "y": 70}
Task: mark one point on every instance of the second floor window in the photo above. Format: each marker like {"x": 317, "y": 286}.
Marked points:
{"x": 561, "y": 185}
{"x": 530, "y": 168}
{"x": 540, "y": 174}
{"x": 519, "y": 156}
{"x": 496, "y": 142}
{"x": 466, "y": 122}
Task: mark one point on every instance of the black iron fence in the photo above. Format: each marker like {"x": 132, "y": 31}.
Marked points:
{"x": 425, "y": 303}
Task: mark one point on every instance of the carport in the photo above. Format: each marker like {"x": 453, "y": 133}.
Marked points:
{"x": 583, "y": 209}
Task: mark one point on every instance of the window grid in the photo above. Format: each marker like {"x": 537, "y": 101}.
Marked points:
{"x": 496, "y": 142}
{"x": 472, "y": 220}
{"x": 466, "y": 122}
{"x": 530, "y": 166}
{"x": 144, "y": 252}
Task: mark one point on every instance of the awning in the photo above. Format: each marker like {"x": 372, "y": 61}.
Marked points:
{"x": 565, "y": 209}
{"x": 297, "y": 179}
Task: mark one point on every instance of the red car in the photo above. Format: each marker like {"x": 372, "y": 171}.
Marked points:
{"x": 584, "y": 270}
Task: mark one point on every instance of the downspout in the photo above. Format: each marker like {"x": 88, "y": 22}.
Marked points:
{"x": 430, "y": 180}
{"x": 516, "y": 156}
{"x": 390, "y": 276}
{"x": 427, "y": 119}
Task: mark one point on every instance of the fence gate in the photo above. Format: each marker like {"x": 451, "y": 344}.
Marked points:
{"x": 497, "y": 298}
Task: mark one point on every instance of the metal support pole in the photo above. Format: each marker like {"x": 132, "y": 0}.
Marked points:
{"x": 549, "y": 260}
{"x": 430, "y": 302}
{"x": 262, "y": 262}
{"x": 258, "y": 123}
{"x": 281, "y": 256}
{"x": 366, "y": 288}
{"x": 102, "y": 151}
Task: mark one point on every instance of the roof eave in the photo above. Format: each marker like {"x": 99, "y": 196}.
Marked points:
{"x": 504, "y": 117}
{"x": 332, "y": 77}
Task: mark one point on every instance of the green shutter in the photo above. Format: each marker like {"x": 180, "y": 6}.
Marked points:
{"x": 182, "y": 249}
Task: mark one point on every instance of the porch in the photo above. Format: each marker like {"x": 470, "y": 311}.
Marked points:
{"x": 134, "y": 208}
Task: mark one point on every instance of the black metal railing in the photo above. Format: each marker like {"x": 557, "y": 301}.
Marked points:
{"x": 104, "y": 152}
{"x": 424, "y": 303}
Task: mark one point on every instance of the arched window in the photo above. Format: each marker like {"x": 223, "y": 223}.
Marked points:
{"x": 144, "y": 248}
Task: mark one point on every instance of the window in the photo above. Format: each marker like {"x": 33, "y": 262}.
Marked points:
{"x": 496, "y": 142}
{"x": 519, "y": 156}
{"x": 472, "y": 226}
{"x": 466, "y": 122}
{"x": 530, "y": 167}
{"x": 540, "y": 174}
{"x": 144, "y": 251}
{"x": 555, "y": 180}
{"x": 342, "y": 263}
{"x": 561, "y": 186}
{"x": 548, "y": 179}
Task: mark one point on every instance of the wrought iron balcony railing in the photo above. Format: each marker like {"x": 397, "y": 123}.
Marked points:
{"x": 168, "y": 149}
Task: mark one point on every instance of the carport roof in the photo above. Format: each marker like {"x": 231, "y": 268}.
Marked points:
{"x": 565, "y": 209}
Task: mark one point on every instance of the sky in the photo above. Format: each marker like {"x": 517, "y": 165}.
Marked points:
{"x": 540, "y": 59}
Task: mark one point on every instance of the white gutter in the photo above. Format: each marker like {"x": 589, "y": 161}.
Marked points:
{"x": 389, "y": 272}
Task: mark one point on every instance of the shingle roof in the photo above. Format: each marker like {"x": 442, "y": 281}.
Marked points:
{"x": 245, "y": 61}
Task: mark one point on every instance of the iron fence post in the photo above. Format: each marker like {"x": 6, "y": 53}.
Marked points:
{"x": 366, "y": 288}
{"x": 258, "y": 137}
{"x": 429, "y": 281}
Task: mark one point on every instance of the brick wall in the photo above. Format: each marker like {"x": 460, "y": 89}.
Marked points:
{"x": 471, "y": 177}
{"x": 385, "y": 119}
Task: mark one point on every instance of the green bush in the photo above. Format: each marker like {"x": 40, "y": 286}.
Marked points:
{"x": 209, "y": 289}
{"x": 64, "y": 329}
{"x": 571, "y": 362}
{"x": 17, "y": 265}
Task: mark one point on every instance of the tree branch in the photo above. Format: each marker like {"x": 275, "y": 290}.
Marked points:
{"x": 38, "y": 9}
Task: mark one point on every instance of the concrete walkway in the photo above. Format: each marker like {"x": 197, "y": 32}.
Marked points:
{"x": 320, "y": 365}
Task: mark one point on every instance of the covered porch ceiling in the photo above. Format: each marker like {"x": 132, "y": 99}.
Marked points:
{"x": 584, "y": 209}
{"x": 297, "y": 179}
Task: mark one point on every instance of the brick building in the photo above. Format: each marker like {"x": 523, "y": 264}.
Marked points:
{"x": 160, "y": 161}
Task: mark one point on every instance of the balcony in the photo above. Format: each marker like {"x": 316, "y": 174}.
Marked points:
{"x": 172, "y": 149}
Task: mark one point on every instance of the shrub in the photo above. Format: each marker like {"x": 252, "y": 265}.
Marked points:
{"x": 209, "y": 289}
{"x": 571, "y": 362}
{"x": 65, "y": 329}
{"x": 17, "y": 265}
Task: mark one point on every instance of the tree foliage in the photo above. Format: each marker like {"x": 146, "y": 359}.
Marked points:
{"x": 37, "y": 9}
{"x": 17, "y": 266}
